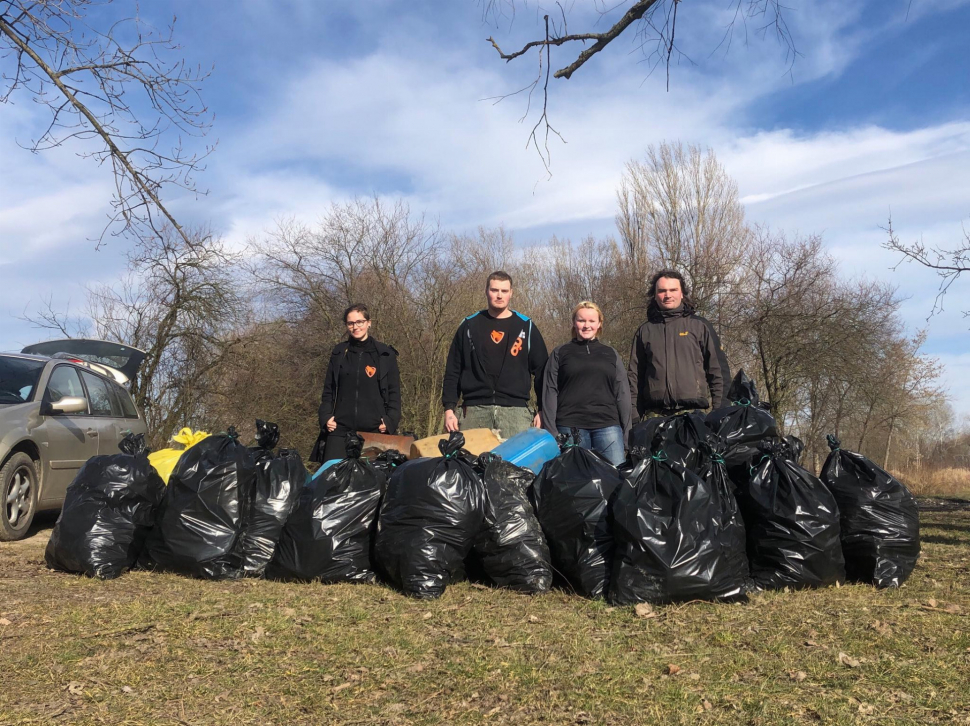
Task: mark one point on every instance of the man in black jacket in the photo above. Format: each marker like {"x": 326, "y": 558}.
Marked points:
{"x": 493, "y": 359}
{"x": 362, "y": 390}
{"x": 676, "y": 363}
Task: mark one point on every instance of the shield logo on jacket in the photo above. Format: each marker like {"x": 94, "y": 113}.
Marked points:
{"x": 497, "y": 336}
{"x": 370, "y": 371}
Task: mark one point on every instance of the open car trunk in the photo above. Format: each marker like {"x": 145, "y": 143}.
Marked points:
{"x": 112, "y": 357}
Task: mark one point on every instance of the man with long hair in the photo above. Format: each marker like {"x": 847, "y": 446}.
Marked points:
{"x": 676, "y": 363}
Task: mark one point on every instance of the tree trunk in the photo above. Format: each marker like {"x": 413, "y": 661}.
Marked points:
{"x": 889, "y": 441}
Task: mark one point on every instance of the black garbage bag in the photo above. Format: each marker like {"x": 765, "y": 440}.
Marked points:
{"x": 108, "y": 510}
{"x": 795, "y": 447}
{"x": 572, "y": 496}
{"x": 879, "y": 519}
{"x": 676, "y": 536}
{"x": 511, "y": 550}
{"x": 279, "y": 481}
{"x": 205, "y": 511}
{"x": 432, "y": 511}
{"x": 744, "y": 423}
{"x": 792, "y": 522}
{"x": 328, "y": 537}
{"x": 677, "y": 436}
{"x": 389, "y": 460}
{"x": 713, "y": 470}
{"x": 267, "y": 437}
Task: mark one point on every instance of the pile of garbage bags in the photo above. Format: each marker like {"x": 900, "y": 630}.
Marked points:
{"x": 705, "y": 508}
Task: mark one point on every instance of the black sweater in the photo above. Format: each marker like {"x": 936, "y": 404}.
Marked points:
{"x": 492, "y": 362}
{"x": 585, "y": 385}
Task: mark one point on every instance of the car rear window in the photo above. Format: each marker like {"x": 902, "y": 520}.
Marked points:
{"x": 124, "y": 400}
{"x": 18, "y": 378}
{"x": 99, "y": 397}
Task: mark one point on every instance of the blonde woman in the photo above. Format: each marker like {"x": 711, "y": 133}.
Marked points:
{"x": 585, "y": 386}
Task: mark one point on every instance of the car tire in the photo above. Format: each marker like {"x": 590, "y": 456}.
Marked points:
{"x": 18, "y": 496}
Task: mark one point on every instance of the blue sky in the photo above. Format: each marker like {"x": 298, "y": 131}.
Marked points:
{"x": 317, "y": 102}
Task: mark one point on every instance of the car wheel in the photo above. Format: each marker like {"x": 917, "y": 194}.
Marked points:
{"x": 18, "y": 496}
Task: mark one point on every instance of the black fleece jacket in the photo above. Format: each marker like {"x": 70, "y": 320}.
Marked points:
{"x": 467, "y": 375}
{"x": 363, "y": 386}
{"x": 585, "y": 385}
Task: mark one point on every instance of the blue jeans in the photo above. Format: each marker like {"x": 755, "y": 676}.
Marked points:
{"x": 607, "y": 441}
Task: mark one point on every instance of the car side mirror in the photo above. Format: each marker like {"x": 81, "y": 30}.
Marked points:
{"x": 69, "y": 404}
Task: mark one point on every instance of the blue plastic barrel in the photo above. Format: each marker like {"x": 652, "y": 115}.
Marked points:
{"x": 531, "y": 449}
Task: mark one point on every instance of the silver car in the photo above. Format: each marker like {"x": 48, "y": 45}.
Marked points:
{"x": 61, "y": 403}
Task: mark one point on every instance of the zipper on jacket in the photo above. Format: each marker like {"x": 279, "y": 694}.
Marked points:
{"x": 360, "y": 360}
{"x": 668, "y": 399}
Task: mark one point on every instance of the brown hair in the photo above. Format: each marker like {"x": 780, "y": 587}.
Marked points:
{"x": 500, "y": 275}
{"x": 357, "y": 308}
{"x": 589, "y": 305}
{"x": 671, "y": 275}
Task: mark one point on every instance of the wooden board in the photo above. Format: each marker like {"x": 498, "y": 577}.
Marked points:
{"x": 477, "y": 441}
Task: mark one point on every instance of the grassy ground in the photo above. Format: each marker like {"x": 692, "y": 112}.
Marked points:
{"x": 162, "y": 649}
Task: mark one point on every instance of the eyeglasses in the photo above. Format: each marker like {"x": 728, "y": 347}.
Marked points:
{"x": 357, "y": 323}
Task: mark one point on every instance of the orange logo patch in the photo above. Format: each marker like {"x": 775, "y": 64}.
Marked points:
{"x": 516, "y": 347}
{"x": 498, "y": 336}
{"x": 370, "y": 371}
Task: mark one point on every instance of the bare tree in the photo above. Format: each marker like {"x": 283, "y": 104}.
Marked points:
{"x": 652, "y": 23}
{"x": 680, "y": 208}
{"x": 180, "y": 303}
{"x": 124, "y": 92}
{"x": 948, "y": 262}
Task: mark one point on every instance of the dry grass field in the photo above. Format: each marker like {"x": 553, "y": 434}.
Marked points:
{"x": 948, "y": 482}
{"x": 162, "y": 649}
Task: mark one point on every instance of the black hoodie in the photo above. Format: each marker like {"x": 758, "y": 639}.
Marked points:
{"x": 467, "y": 372}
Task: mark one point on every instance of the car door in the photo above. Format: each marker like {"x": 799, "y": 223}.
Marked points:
{"x": 70, "y": 439}
{"x": 105, "y": 412}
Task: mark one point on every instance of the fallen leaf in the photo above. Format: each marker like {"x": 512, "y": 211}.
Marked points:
{"x": 932, "y": 602}
{"x": 127, "y": 689}
{"x": 4, "y": 622}
{"x": 533, "y": 619}
{"x": 644, "y": 610}
{"x": 707, "y": 704}
{"x": 427, "y": 616}
{"x": 811, "y": 644}
{"x": 881, "y": 628}
{"x": 797, "y": 676}
{"x": 341, "y": 687}
{"x": 847, "y": 660}
{"x": 289, "y": 612}
{"x": 953, "y": 608}
{"x": 260, "y": 632}
{"x": 75, "y": 688}
{"x": 416, "y": 668}
{"x": 866, "y": 709}
{"x": 671, "y": 669}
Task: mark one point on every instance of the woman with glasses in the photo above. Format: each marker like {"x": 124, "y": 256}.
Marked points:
{"x": 362, "y": 391}
{"x": 585, "y": 387}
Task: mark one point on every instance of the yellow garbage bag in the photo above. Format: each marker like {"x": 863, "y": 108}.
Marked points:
{"x": 164, "y": 460}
